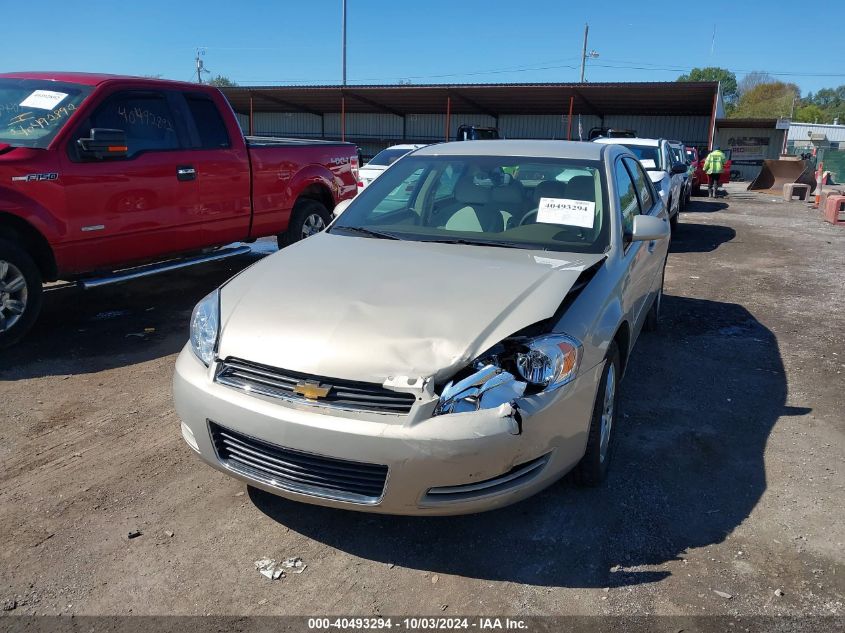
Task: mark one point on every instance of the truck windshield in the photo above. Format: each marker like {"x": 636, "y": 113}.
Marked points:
{"x": 550, "y": 204}
{"x": 32, "y": 111}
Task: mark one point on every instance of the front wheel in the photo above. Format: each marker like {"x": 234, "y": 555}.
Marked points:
{"x": 601, "y": 438}
{"x": 20, "y": 293}
{"x": 308, "y": 217}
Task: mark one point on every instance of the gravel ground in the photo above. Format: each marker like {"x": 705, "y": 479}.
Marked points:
{"x": 726, "y": 496}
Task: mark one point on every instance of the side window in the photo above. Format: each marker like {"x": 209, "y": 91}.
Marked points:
{"x": 447, "y": 181}
{"x": 626, "y": 197}
{"x": 210, "y": 125}
{"x": 146, "y": 117}
{"x": 642, "y": 183}
{"x": 400, "y": 197}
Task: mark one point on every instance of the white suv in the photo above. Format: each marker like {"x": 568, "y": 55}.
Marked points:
{"x": 666, "y": 173}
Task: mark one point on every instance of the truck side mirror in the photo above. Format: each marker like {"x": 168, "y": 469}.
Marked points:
{"x": 104, "y": 143}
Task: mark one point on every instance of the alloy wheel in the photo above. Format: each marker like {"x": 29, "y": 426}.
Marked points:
{"x": 607, "y": 412}
{"x": 13, "y": 295}
{"x": 313, "y": 223}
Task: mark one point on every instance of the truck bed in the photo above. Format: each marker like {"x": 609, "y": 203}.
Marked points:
{"x": 274, "y": 141}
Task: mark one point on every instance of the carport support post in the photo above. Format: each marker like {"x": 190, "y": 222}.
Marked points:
{"x": 342, "y": 117}
{"x": 569, "y": 119}
{"x": 250, "y": 114}
{"x": 713, "y": 120}
{"x": 448, "y": 115}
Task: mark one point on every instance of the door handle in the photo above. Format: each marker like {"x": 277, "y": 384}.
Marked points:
{"x": 186, "y": 172}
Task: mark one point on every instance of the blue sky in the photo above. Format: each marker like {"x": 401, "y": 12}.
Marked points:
{"x": 427, "y": 41}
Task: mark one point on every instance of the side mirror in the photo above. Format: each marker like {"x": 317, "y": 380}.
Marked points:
{"x": 649, "y": 227}
{"x": 104, "y": 143}
{"x": 340, "y": 207}
{"x": 679, "y": 168}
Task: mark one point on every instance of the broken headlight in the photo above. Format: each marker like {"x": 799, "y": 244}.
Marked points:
{"x": 511, "y": 369}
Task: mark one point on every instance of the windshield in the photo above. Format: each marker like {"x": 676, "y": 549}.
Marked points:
{"x": 532, "y": 203}
{"x": 32, "y": 111}
{"x": 646, "y": 153}
{"x": 387, "y": 157}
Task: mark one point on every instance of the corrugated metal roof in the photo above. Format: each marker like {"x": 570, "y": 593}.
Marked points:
{"x": 651, "y": 98}
{"x": 801, "y": 131}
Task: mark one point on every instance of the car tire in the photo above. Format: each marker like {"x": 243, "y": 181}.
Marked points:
{"x": 308, "y": 217}
{"x": 652, "y": 318}
{"x": 696, "y": 190}
{"x": 673, "y": 221}
{"x": 601, "y": 438}
{"x": 21, "y": 293}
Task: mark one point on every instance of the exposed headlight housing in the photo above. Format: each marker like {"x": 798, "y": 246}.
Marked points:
{"x": 511, "y": 369}
{"x": 205, "y": 327}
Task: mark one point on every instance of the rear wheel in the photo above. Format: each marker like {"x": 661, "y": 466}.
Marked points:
{"x": 20, "y": 293}
{"x": 601, "y": 439}
{"x": 309, "y": 217}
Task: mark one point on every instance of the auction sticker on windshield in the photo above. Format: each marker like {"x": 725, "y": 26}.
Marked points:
{"x": 565, "y": 211}
{"x": 43, "y": 99}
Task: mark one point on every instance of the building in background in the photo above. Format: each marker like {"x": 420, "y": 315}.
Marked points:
{"x": 375, "y": 117}
{"x": 750, "y": 142}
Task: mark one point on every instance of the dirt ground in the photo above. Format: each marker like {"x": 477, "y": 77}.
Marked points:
{"x": 729, "y": 474}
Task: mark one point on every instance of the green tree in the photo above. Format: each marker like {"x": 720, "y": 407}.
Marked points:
{"x": 810, "y": 114}
{"x": 767, "y": 101}
{"x": 222, "y": 82}
{"x": 714, "y": 73}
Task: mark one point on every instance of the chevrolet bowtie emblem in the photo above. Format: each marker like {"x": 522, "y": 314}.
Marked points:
{"x": 311, "y": 390}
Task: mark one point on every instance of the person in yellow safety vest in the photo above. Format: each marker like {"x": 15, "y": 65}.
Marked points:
{"x": 713, "y": 166}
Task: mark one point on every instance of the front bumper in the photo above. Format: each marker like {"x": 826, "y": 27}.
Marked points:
{"x": 480, "y": 460}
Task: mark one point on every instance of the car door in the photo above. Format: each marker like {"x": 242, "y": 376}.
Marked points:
{"x": 635, "y": 254}
{"x": 654, "y": 257}
{"x": 138, "y": 207}
{"x": 222, "y": 171}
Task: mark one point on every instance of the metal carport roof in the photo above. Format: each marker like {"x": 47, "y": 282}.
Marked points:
{"x": 645, "y": 98}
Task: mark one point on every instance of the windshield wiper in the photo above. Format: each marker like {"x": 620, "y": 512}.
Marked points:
{"x": 466, "y": 242}
{"x": 368, "y": 232}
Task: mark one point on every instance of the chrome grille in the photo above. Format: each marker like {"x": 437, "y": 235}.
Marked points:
{"x": 344, "y": 394}
{"x": 297, "y": 471}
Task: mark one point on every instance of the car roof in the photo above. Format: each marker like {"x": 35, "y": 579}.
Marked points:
{"x": 405, "y": 146}
{"x": 532, "y": 148}
{"x": 643, "y": 142}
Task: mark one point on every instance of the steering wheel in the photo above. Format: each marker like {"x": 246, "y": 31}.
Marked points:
{"x": 525, "y": 217}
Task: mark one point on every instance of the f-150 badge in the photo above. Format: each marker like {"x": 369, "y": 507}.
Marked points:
{"x": 35, "y": 177}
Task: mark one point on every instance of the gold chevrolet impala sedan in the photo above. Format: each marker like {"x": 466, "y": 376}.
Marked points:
{"x": 452, "y": 343}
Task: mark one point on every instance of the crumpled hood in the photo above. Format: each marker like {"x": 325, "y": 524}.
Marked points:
{"x": 367, "y": 309}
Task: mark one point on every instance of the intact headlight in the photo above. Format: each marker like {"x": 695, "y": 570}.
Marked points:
{"x": 550, "y": 361}
{"x": 205, "y": 326}
{"x": 511, "y": 368}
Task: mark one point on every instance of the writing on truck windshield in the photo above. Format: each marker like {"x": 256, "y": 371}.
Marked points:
{"x": 32, "y": 111}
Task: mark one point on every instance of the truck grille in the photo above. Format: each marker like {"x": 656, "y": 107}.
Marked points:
{"x": 297, "y": 471}
{"x": 343, "y": 394}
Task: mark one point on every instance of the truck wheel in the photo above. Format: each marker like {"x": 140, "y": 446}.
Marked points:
{"x": 601, "y": 438}
{"x": 20, "y": 293}
{"x": 309, "y": 217}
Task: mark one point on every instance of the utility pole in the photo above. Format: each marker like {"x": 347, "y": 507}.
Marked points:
{"x": 343, "y": 44}
{"x": 200, "y": 66}
{"x": 585, "y": 54}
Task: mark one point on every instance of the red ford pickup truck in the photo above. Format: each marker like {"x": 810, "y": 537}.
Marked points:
{"x": 99, "y": 173}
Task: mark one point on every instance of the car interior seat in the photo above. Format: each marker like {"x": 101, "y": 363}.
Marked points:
{"x": 473, "y": 210}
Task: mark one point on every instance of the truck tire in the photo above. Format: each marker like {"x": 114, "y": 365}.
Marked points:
{"x": 20, "y": 293}
{"x": 309, "y": 217}
{"x": 601, "y": 438}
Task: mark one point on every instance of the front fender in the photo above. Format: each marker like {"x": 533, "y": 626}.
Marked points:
{"x": 29, "y": 210}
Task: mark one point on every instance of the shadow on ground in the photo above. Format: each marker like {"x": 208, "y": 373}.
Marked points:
{"x": 690, "y": 237}
{"x": 704, "y": 205}
{"x": 699, "y": 401}
{"x": 81, "y": 332}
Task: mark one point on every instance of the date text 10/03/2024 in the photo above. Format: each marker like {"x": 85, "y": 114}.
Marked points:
{"x": 417, "y": 623}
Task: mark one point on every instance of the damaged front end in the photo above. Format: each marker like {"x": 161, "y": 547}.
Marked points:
{"x": 515, "y": 367}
